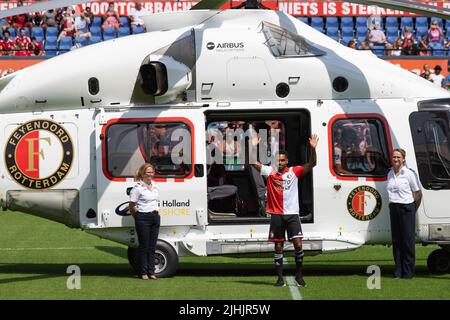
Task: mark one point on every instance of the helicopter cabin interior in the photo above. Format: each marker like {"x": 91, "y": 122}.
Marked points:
{"x": 236, "y": 190}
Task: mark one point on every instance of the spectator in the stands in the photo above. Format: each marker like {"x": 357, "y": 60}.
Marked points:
{"x": 21, "y": 43}
{"x": 352, "y": 44}
{"x": 111, "y": 18}
{"x": 435, "y": 35}
{"x": 411, "y": 49}
{"x": 136, "y": 14}
{"x": 35, "y": 47}
{"x": 37, "y": 19}
{"x": 426, "y": 72}
{"x": 20, "y": 20}
{"x": 397, "y": 48}
{"x": 49, "y": 19}
{"x": 446, "y": 81}
{"x": 82, "y": 23}
{"x": 424, "y": 48}
{"x": 364, "y": 45}
{"x": 389, "y": 49}
{"x": 376, "y": 36}
{"x": 437, "y": 78}
{"x": 7, "y": 44}
{"x": 372, "y": 20}
{"x": 90, "y": 15}
{"x": 407, "y": 36}
{"x": 67, "y": 25}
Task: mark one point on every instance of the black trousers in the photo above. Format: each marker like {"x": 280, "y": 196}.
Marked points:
{"x": 403, "y": 230}
{"x": 147, "y": 229}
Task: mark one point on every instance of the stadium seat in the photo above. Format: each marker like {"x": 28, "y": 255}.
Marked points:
{"x": 361, "y": 22}
{"x": 125, "y": 21}
{"x": 303, "y": 19}
{"x": 95, "y": 39}
{"x": 391, "y": 22}
{"x": 96, "y": 31}
{"x": 347, "y": 32}
{"x": 51, "y": 32}
{"x": 333, "y": 32}
{"x": 37, "y": 32}
{"x": 12, "y": 32}
{"x": 379, "y": 50}
{"x": 421, "y": 31}
{"x": 421, "y": 22}
{"x": 347, "y": 22}
{"x": 346, "y": 40}
{"x": 97, "y": 21}
{"x": 137, "y": 30}
{"x": 124, "y": 31}
{"x": 81, "y": 40}
{"x": 40, "y": 39}
{"x": 392, "y": 32}
{"x": 109, "y": 33}
{"x": 65, "y": 44}
{"x": 406, "y": 21}
{"x": 51, "y": 46}
{"x": 360, "y": 39}
{"x": 317, "y": 23}
{"x": 361, "y": 32}
{"x": 332, "y": 22}
{"x": 391, "y": 40}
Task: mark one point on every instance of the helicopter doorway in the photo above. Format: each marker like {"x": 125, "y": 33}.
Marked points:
{"x": 234, "y": 141}
{"x": 431, "y": 135}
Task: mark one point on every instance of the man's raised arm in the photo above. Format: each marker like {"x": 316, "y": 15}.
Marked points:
{"x": 313, "y": 141}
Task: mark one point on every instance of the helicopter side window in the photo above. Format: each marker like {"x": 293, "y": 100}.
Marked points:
{"x": 166, "y": 145}
{"x": 360, "y": 147}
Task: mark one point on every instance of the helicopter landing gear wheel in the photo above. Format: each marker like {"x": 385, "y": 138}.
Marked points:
{"x": 439, "y": 261}
{"x": 166, "y": 260}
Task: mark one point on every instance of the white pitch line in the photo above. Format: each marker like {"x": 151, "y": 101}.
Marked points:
{"x": 31, "y": 249}
{"x": 295, "y": 291}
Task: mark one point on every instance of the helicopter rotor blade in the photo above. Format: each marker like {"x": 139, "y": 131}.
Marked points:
{"x": 208, "y": 4}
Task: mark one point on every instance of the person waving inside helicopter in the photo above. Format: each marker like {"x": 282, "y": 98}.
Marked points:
{"x": 283, "y": 206}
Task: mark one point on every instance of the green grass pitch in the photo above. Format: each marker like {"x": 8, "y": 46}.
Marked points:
{"x": 35, "y": 254}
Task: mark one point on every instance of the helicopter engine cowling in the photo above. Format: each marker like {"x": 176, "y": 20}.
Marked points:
{"x": 166, "y": 79}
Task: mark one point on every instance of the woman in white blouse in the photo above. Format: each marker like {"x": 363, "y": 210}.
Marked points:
{"x": 144, "y": 206}
{"x": 404, "y": 199}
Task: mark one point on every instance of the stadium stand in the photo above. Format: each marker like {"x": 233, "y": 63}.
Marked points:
{"x": 342, "y": 29}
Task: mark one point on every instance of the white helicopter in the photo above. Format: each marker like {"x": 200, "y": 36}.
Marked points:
{"x": 75, "y": 127}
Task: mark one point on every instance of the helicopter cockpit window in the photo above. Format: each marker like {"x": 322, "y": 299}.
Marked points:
{"x": 231, "y": 139}
{"x": 438, "y": 147}
{"x": 360, "y": 147}
{"x": 166, "y": 145}
{"x": 283, "y": 43}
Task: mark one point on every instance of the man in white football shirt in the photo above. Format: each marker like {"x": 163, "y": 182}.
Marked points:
{"x": 283, "y": 206}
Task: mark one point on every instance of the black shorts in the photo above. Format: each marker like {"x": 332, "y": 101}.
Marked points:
{"x": 279, "y": 224}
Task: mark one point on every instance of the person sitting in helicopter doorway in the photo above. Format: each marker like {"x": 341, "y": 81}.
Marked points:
{"x": 404, "y": 200}
{"x": 144, "y": 205}
{"x": 283, "y": 206}
{"x": 251, "y": 4}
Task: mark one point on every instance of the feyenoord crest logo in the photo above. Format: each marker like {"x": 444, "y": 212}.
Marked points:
{"x": 364, "y": 203}
{"x": 39, "y": 154}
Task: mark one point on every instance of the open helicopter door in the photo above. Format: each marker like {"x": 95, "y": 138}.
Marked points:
{"x": 173, "y": 144}
{"x": 431, "y": 135}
